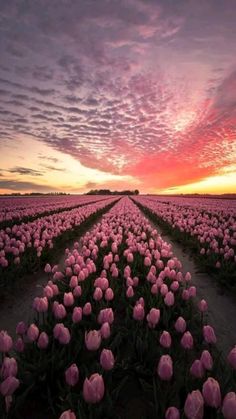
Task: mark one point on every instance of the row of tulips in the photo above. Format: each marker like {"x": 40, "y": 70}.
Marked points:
{"x": 210, "y": 225}
{"x": 19, "y": 209}
{"x": 117, "y": 326}
{"x": 40, "y": 233}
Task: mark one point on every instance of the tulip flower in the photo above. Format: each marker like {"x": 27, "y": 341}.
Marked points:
{"x": 93, "y": 388}
{"x": 172, "y": 413}
{"x": 232, "y": 358}
{"x": 107, "y": 359}
{"x": 229, "y": 406}
{"x": 72, "y": 375}
{"x": 67, "y": 414}
{"x": 93, "y": 340}
{"x": 9, "y": 386}
{"x": 165, "y": 368}
{"x": 187, "y": 341}
{"x": 209, "y": 334}
{"x": 5, "y": 342}
{"x": 194, "y": 405}
{"x": 211, "y": 393}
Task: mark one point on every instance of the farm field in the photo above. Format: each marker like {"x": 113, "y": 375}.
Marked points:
{"x": 123, "y": 325}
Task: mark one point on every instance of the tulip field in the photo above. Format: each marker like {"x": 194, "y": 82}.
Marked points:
{"x": 25, "y": 245}
{"x": 119, "y": 331}
{"x": 207, "y": 226}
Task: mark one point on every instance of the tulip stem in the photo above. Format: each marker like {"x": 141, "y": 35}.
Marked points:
{"x": 155, "y": 395}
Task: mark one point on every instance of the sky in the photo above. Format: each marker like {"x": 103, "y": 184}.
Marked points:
{"x": 118, "y": 94}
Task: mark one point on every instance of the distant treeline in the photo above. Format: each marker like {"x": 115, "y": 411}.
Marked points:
{"x": 108, "y": 192}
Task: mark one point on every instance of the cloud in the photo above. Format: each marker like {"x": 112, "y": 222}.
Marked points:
{"x": 52, "y": 168}
{"x": 25, "y": 171}
{"x": 131, "y": 87}
{"x": 16, "y": 185}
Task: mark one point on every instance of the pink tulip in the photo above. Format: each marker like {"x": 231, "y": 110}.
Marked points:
{"x": 194, "y": 405}
{"x": 130, "y": 257}
{"x": 206, "y": 360}
{"x": 106, "y": 316}
{"x": 197, "y": 369}
{"x": 67, "y": 414}
{"x": 232, "y": 358}
{"x": 107, "y": 359}
{"x": 129, "y": 292}
{"x": 165, "y": 368}
{"x": 73, "y": 281}
{"x": 61, "y": 333}
{"x": 169, "y": 299}
{"x": 5, "y": 342}
{"x": 98, "y": 294}
{"x": 211, "y": 392}
{"x": 172, "y": 413}
{"x": 109, "y": 294}
{"x": 229, "y": 406}
{"x": 32, "y": 333}
{"x": 77, "y": 291}
{"x": 105, "y": 330}
{"x": 93, "y": 340}
{"x": 41, "y": 304}
{"x": 19, "y": 345}
{"x": 72, "y": 375}
{"x": 87, "y": 309}
{"x": 47, "y": 268}
{"x": 202, "y": 305}
{"x": 147, "y": 261}
{"x": 9, "y": 386}
{"x": 59, "y": 310}
{"x": 209, "y": 334}
{"x": 68, "y": 299}
{"x": 21, "y": 328}
{"x": 187, "y": 341}
{"x": 187, "y": 277}
{"x": 93, "y": 389}
{"x": 138, "y": 312}
{"x": 77, "y": 314}
{"x": 165, "y": 339}
{"x": 153, "y": 317}
{"x": 192, "y": 291}
{"x": 180, "y": 325}
{"x": 43, "y": 340}
{"x": 9, "y": 368}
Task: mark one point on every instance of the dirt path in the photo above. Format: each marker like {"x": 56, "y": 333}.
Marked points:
{"x": 221, "y": 307}
{"x": 18, "y": 305}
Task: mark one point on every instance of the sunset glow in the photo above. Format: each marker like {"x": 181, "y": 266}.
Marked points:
{"x": 121, "y": 95}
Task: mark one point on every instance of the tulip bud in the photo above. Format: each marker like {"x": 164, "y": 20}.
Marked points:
{"x": 229, "y": 406}
{"x": 43, "y": 340}
{"x": 232, "y": 358}
{"x": 107, "y": 359}
{"x": 211, "y": 392}
{"x": 209, "y": 334}
{"x": 172, "y": 413}
{"x": 187, "y": 341}
{"x": 93, "y": 389}
{"x": 93, "y": 340}
{"x": 165, "y": 339}
{"x": 5, "y": 342}
{"x": 194, "y": 405}
{"x": 72, "y": 375}
{"x": 165, "y": 368}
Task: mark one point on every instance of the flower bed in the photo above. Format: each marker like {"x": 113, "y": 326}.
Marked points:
{"x": 117, "y": 333}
